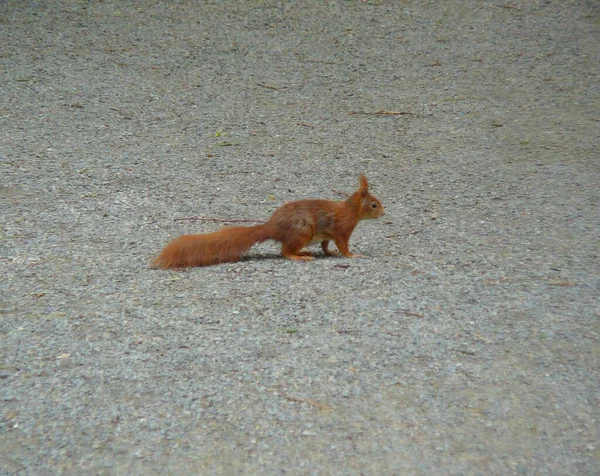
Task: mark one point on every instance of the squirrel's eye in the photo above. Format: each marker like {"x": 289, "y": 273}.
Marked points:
{"x": 374, "y": 205}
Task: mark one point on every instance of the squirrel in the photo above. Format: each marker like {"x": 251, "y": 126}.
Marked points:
{"x": 294, "y": 224}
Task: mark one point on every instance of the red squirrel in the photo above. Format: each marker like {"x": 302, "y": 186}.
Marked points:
{"x": 295, "y": 225}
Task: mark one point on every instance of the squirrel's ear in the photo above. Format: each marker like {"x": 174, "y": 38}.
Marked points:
{"x": 364, "y": 185}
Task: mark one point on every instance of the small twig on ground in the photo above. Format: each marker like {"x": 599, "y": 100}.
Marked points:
{"x": 314, "y": 403}
{"x": 466, "y": 352}
{"x": 410, "y": 313}
{"x": 382, "y": 112}
{"x": 341, "y": 266}
{"x": 217, "y": 219}
{"x": 267, "y": 86}
{"x": 395, "y": 334}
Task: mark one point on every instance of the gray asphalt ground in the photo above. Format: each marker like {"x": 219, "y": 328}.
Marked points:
{"x": 466, "y": 342}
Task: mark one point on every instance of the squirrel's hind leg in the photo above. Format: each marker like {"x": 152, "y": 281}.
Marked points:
{"x": 295, "y": 253}
{"x": 292, "y": 249}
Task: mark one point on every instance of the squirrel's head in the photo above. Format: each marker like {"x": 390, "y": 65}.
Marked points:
{"x": 369, "y": 206}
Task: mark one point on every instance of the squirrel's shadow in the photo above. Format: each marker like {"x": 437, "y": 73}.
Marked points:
{"x": 319, "y": 256}
{"x": 278, "y": 257}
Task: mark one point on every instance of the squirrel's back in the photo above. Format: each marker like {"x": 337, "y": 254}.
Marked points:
{"x": 320, "y": 216}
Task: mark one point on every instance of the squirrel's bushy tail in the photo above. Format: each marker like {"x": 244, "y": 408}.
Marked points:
{"x": 223, "y": 246}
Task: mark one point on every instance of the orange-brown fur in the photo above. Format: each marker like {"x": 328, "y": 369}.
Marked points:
{"x": 295, "y": 224}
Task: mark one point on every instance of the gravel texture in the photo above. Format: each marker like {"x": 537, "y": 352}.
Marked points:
{"x": 467, "y": 342}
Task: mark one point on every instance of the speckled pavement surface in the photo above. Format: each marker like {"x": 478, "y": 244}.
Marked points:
{"x": 466, "y": 342}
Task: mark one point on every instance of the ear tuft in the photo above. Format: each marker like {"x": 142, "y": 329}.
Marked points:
{"x": 364, "y": 183}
